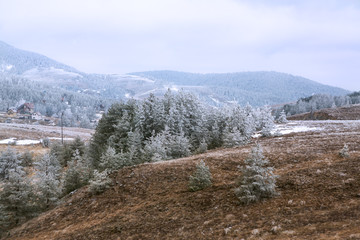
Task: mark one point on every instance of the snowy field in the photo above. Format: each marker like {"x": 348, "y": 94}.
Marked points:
{"x": 291, "y": 127}
{"x": 323, "y": 126}
{"x": 13, "y": 141}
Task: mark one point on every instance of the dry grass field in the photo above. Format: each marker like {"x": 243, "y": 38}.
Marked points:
{"x": 319, "y": 195}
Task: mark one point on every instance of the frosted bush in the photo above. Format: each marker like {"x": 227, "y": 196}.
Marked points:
{"x": 344, "y": 152}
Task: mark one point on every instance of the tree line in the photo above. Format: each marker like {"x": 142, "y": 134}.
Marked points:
{"x": 317, "y": 102}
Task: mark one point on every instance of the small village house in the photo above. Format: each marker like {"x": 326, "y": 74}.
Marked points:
{"x": 26, "y": 108}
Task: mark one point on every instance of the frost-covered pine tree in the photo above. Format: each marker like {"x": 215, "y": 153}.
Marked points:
{"x": 83, "y": 167}
{"x": 257, "y": 181}
{"x": 135, "y": 151}
{"x": 155, "y": 148}
{"x": 77, "y": 174}
{"x": 47, "y": 178}
{"x": 267, "y": 121}
{"x": 4, "y": 220}
{"x": 9, "y": 160}
{"x": 214, "y": 132}
{"x": 233, "y": 137}
{"x": 201, "y": 178}
{"x": 282, "y": 117}
{"x": 100, "y": 182}
{"x": 178, "y": 146}
{"x": 110, "y": 160}
{"x": 16, "y": 197}
{"x": 71, "y": 178}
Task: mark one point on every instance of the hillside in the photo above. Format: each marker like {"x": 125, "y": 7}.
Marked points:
{"x": 256, "y": 88}
{"x": 319, "y": 195}
{"x": 340, "y": 113}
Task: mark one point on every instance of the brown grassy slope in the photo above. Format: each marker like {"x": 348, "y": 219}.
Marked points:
{"x": 342, "y": 113}
{"x": 320, "y": 196}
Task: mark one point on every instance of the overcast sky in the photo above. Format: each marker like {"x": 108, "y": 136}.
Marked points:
{"x": 318, "y": 39}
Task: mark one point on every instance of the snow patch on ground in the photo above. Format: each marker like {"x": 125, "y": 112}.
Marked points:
{"x": 282, "y": 129}
{"x": 286, "y": 129}
{"x": 19, "y": 142}
{"x": 25, "y": 142}
{"x": 65, "y": 139}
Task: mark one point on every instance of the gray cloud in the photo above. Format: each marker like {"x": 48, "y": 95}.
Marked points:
{"x": 316, "y": 39}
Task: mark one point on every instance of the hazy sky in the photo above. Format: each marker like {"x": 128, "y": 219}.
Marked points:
{"x": 317, "y": 39}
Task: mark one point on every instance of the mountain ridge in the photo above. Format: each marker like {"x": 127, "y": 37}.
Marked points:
{"x": 256, "y": 88}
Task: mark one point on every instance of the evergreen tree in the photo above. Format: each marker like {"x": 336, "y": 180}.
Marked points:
{"x": 16, "y": 198}
{"x": 47, "y": 178}
{"x": 100, "y": 182}
{"x": 178, "y": 145}
{"x": 135, "y": 152}
{"x": 201, "y": 178}
{"x": 267, "y": 122}
{"x": 77, "y": 144}
{"x": 104, "y": 130}
{"x": 233, "y": 137}
{"x": 282, "y": 117}
{"x": 155, "y": 148}
{"x": 9, "y": 160}
{"x": 110, "y": 160}
{"x": 153, "y": 116}
{"x": 77, "y": 174}
{"x": 257, "y": 180}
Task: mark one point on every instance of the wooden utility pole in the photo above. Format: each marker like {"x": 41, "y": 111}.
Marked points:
{"x": 62, "y": 128}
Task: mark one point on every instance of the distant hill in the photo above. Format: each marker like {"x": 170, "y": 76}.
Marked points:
{"x": 340, "y": 113}
{"x": 256, "y": 88}
{"x": 14, "y": 60}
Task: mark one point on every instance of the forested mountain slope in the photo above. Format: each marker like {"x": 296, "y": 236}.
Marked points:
{"x": 256, "y": 88}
